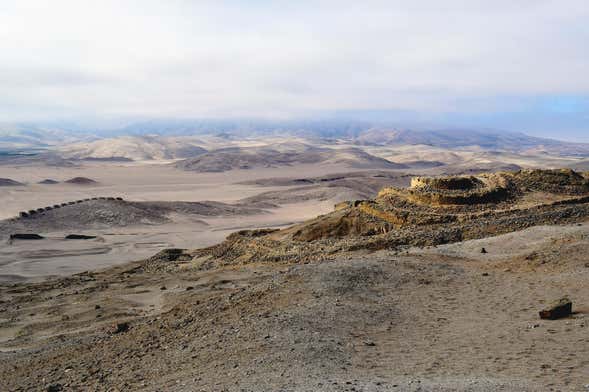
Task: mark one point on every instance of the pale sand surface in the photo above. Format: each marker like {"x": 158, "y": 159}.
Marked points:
{"x": 34, "y": 260}
{"x": 512, "y": 245}
{"x": 139, "y": 182}
{"x": 55, "y": 256}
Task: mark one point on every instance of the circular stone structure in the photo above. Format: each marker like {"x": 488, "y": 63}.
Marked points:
{"x": 446, "y": 183}
{"x": 455, "y": 190}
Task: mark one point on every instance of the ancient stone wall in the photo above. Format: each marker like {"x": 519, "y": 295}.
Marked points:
{"x": 40, "y": 210}
{"x": 446, "y": 183}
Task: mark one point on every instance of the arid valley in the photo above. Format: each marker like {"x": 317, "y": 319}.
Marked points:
{"x": 294, "y": 264}
{"x": 294, "y": 196}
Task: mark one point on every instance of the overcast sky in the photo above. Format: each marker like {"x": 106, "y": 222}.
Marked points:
{"x": 516, "y": 64}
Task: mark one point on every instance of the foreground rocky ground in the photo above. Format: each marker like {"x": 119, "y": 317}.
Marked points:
{"x": 260, "y": 312}
{"x": 426, "y": 320}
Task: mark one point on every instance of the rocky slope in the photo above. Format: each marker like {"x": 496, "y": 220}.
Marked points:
{"x": 431, "y": 212}
{"x": 366, "y": 322}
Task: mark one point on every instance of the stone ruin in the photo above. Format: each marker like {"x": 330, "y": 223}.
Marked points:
{"x": 452, "y": 200}
{"x": 440, "y": 191}
{"x": 432, "y": 211}
{"x": 446, "y": 183}
{"x": 40, "y": 210}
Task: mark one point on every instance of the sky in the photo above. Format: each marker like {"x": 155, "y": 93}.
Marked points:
{"x": 516, "y": 65}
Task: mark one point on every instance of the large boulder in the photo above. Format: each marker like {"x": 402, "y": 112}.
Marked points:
{"x": 559, "y": 309}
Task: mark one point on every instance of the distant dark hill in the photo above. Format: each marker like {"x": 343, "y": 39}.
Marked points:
{"x": 80, "y": 181}
{"x": 109, "y": 213}
{"x": 282, "y": 155}
{"x": 9, "y": 182}
{"x": 48, "y": 181}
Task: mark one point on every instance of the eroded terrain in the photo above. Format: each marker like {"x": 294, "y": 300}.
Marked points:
{"x": 368, "y": 305}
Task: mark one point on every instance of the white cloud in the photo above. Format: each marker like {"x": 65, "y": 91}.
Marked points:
{"x": 281, "y": 58}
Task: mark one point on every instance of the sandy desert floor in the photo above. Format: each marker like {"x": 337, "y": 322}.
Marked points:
{"x": 139, "y": 182}
{"x": 33, "y": 260}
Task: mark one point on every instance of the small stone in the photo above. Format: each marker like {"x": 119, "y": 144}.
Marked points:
{"x": 120, "y": 328}
{"x": 483, "y": 250}
{"x": 54, "y": 388}
{"x": 96, "y": 307}
{"x": 485, "y": 274}
{"x": 163, "y": 288}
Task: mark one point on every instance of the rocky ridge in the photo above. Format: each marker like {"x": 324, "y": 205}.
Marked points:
{"x": 431, "y": 212}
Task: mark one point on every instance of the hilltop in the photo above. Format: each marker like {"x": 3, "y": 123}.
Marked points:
{"x": 135, "y": 148}
{"x": 432, "y": 211}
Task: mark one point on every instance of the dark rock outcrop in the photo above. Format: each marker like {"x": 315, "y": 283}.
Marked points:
{"x": 79, "y": 237}
{"x": 120, "y": 328}
{"x": 9, "y": 182}
{"x": 48, "y": 181}
{"x": 26, "y": 236}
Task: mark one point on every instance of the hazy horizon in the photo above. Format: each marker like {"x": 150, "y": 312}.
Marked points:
{"x": 515, "y": 66}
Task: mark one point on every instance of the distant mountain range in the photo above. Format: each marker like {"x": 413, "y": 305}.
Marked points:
{"x": 483, "y": 139}
{"x": 26, "y": 136}
{"x": 23, "y": 136}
